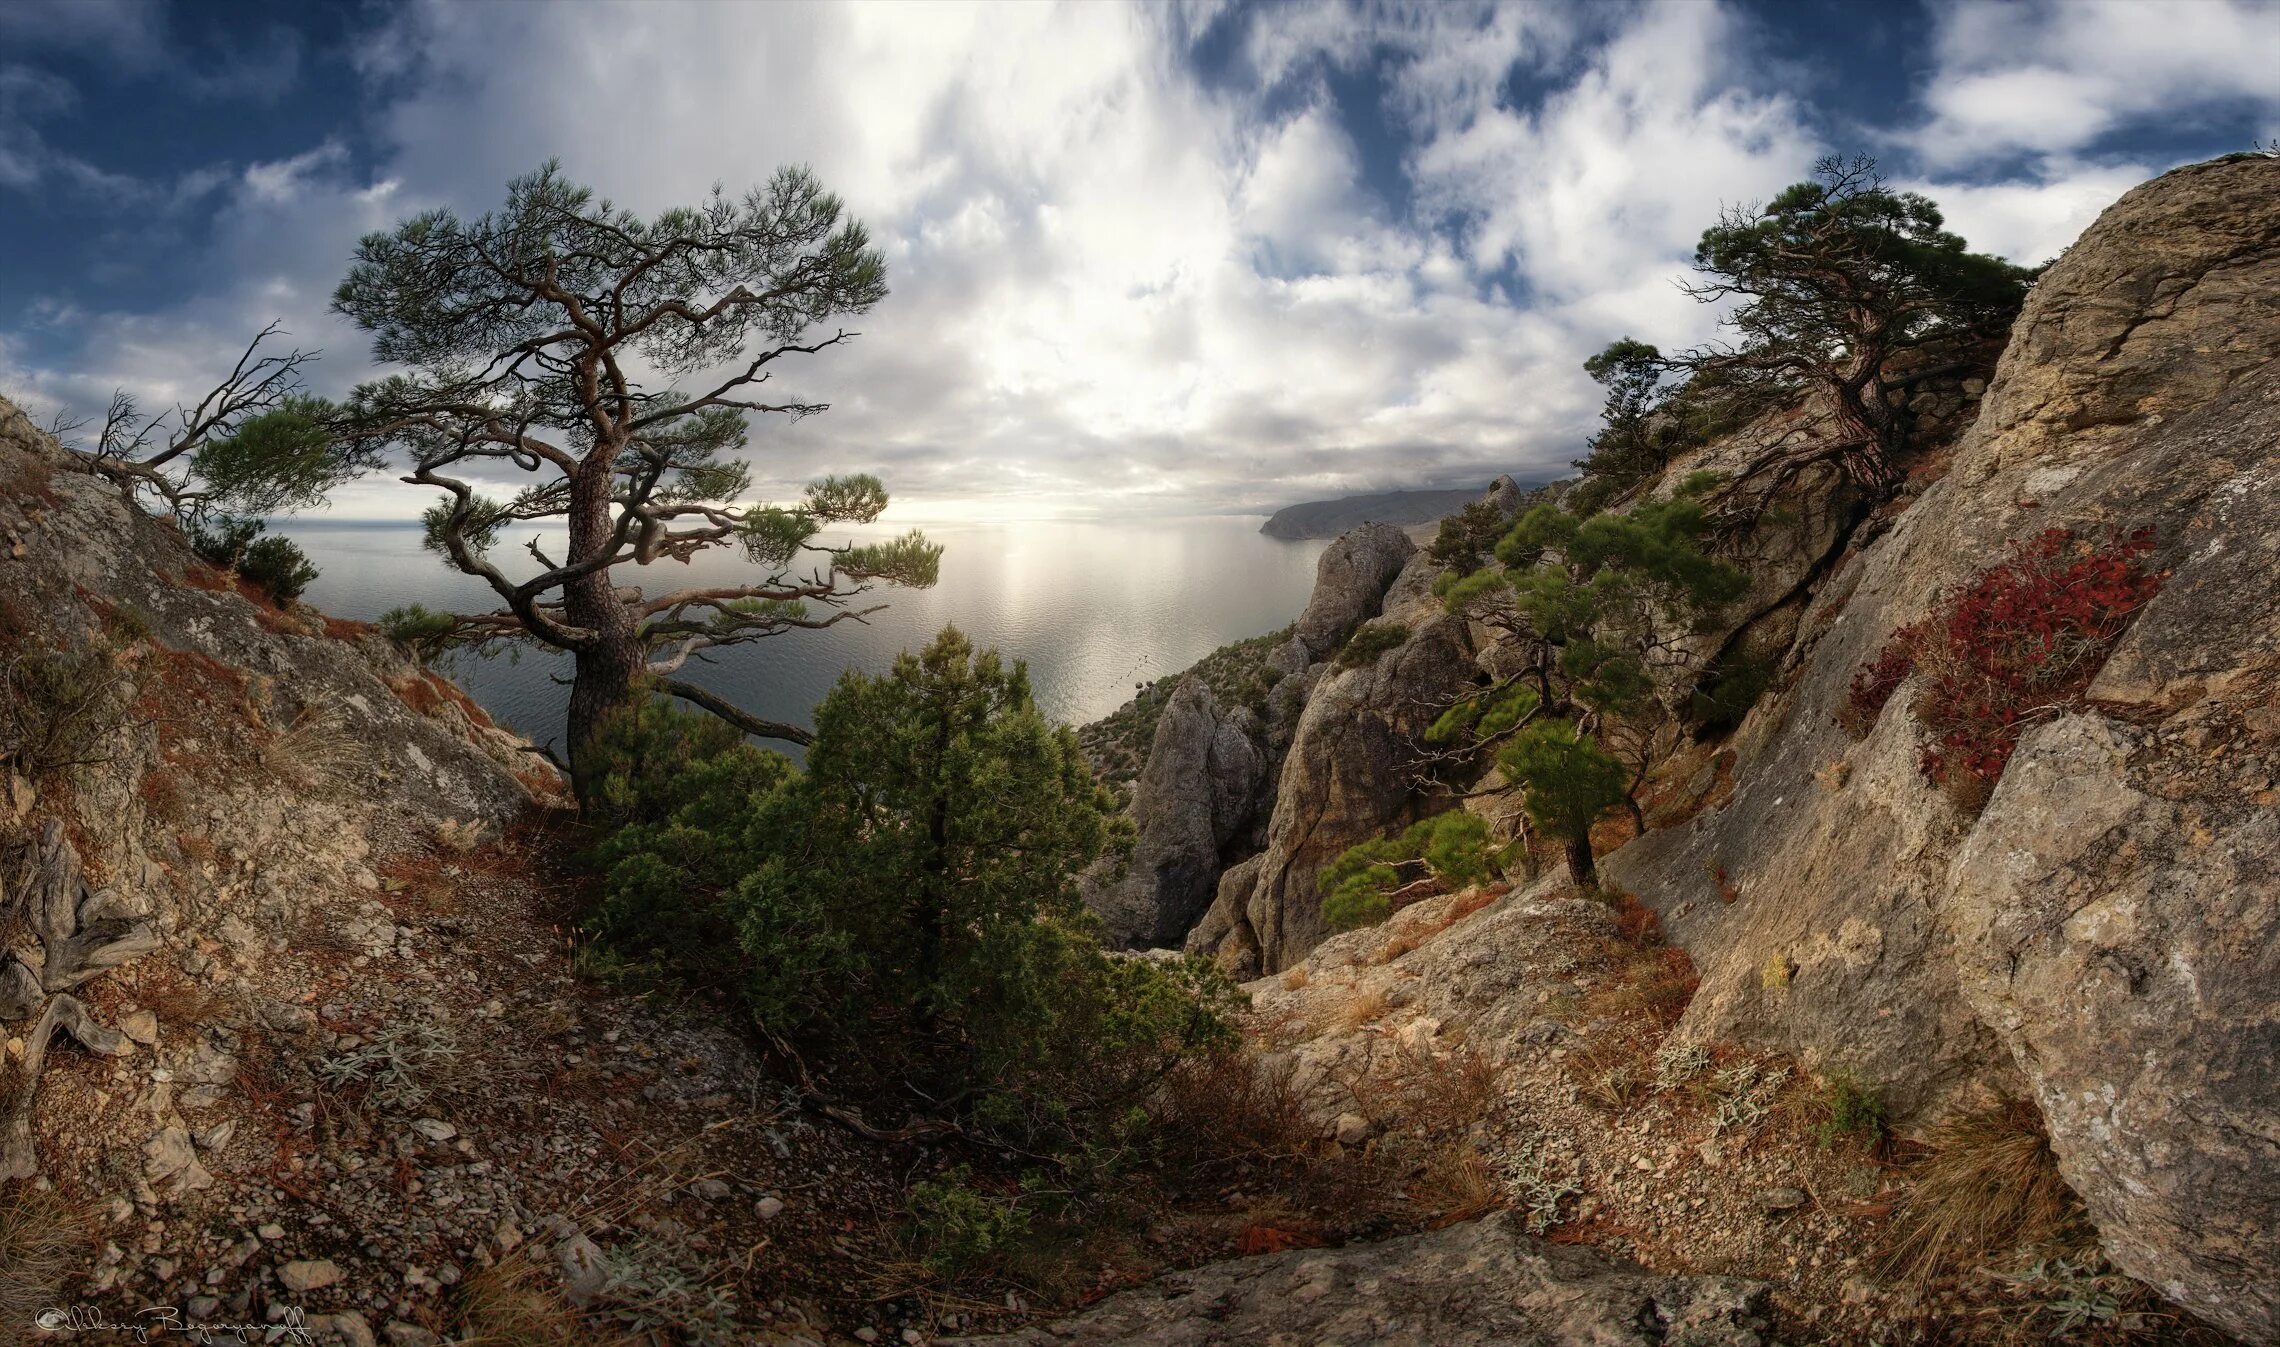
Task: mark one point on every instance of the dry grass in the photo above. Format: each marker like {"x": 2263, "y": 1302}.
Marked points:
{"x": 1989, "y": 1185}
{"x": 42, "y": 1241}
{"x": 179, "y": 1001}
{"x": 1359, "y": 1009}
{"x": 1651, "y": 979}
{"x": 1437, "y": 1093}
{"x": 1236, "y": 1104}
{"x": 1609, "y": 1076}
{"x": 1458, "y": 1184}
{"x": 510, "y": 1304}
{"x": 317, "y": 751}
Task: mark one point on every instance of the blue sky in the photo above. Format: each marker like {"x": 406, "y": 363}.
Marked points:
{"x": 1190, "y": 256}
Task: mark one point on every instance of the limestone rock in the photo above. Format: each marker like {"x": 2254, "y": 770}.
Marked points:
{"x": 2103, "y": 932}
{"x": 1470, "y": 1285}
{"x": 1349, "y": 581}
{"x": 1349, "y": 776}
{"x": 302, "y": 1277}
{"x": 1204, "y": 779}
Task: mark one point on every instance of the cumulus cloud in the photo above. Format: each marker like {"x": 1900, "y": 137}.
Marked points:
{"x": 1119, "y": 283}
{"x": 2054, "y": 77}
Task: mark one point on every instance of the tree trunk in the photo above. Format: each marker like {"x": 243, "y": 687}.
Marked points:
{"x": 608, "y": 669}
{"x": 1865, "y": 416}
{"x": 1580, "y": 866}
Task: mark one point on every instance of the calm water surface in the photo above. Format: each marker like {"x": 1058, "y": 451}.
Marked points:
{"x": 1094, "y": 607}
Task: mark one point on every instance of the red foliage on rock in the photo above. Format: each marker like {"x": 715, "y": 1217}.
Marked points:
{"x": 2019, "y": 644}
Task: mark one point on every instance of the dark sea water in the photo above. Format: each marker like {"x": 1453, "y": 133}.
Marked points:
{"x": 1094, "y": 607}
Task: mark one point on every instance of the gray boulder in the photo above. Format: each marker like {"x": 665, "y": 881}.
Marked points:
{"x": 1349, "y": 582}
{"x": 1204, "y": 779}
{"x": 1476, "y": 1284}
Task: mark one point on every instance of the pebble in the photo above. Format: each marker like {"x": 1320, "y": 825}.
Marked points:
{"x": 313, "y": 1275}
{"x": 771, "y": 1208}
{"x": 435, "y": 1129}
{"x": 1776, "y": 1200}
{"x": 142, "y": 1027}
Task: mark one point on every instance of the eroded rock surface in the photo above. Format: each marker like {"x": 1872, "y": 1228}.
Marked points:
{"x": 1349, "y": 582}
{"x": 1352, "y": 773}
{"x": 1471, "y": 1285}
{"x": 1205, "y": 777}
{"x": 2103, "y": 933}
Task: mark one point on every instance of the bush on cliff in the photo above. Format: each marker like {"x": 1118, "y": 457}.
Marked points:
{"x": 1601, "y": 608}
{"x": 1435, "y": 855}
{"x": 276, "y": 566}
{"x": 2018, "y": 645}
{"x": 904, "y": 908}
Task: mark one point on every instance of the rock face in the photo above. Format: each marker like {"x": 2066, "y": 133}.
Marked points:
{"x": 1198, "y": 805}
{"x": 1471, "y": 1285}
{"x": 2104, "y": 933}
{"x": 79, "y": 538}
{"x": 1204, "y": 779}
{"x": 1351, "y": 774}
{"x": 1349, "y": 582}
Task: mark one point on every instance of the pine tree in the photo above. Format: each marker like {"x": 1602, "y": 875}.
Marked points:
{"x": 1834, "y": 285}
{"x": 551, "y": 338}
{"x": 1602, "y": 609}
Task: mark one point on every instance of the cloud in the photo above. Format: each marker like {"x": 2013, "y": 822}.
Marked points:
{"x": 1372, "y": 251}
{"x": 2055, "y": 77}
{"x": 2032, "y": 220}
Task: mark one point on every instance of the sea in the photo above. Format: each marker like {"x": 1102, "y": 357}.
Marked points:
{"x": 1093, "y": 607}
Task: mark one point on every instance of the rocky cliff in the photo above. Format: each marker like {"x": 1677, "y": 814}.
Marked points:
{"x": 2105, "y": 932}
{"x": 292, "y": 1035}
{"x": 2101, "y": 934}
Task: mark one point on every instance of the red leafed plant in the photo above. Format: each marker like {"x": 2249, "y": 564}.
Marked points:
{"x": 2018, "y": 644}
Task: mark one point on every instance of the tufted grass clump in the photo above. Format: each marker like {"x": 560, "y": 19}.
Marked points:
{"x": 60, "y": 710}
{"x": 1990, "y": 1184}
{"x": 43, "y": 1240}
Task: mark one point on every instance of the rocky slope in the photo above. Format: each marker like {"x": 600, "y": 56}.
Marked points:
{"x": 2101, "y": 936}
{"x": 333, "y": 1067}
{"x": 2104, "y": 933}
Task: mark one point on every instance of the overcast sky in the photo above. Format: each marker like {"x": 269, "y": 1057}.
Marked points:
{"x": 1172, "y": 257}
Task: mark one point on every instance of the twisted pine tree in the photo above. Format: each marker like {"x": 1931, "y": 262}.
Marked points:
{"x": 1834, "y": 282}
{"x": 615, "y": 360}
{"x": 1603, "y": 610}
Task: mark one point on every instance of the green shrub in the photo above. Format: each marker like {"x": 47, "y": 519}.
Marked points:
{"x": 280, "y": 567}
{"x": 1849, "y": 1109}
{"x": 957, "y": 1229}
{"x": 221, "y": 542}
{"x": 277, "y": 566}
{"x": 1727, "y": 692}
{"x": 421, "y": 631}
{"x": 1370, "y": 640}
{"x": 905, "y": 907}
{"x": 1451, "y": 849}
{"x": 1467, "y": 537}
